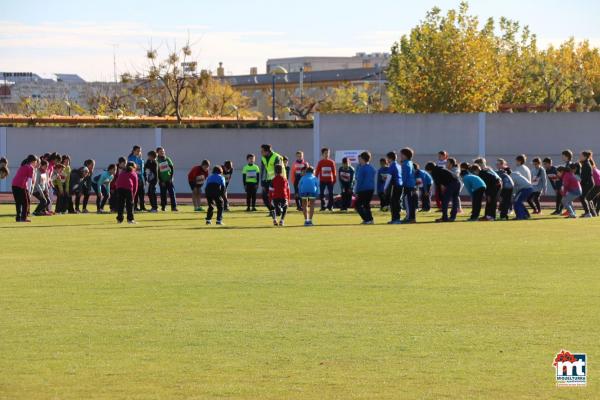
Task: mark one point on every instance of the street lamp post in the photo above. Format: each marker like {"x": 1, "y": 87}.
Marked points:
{"x": 68, "y": 107}
{"x": 278, "y": 70}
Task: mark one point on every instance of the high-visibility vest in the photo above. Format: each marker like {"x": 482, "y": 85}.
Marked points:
{"x": 270, "y": 166}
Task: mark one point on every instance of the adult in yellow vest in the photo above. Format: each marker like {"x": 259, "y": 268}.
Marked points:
{"x": 267, "y": 170}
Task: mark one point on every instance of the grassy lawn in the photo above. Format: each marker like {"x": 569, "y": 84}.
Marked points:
{"x": 172, "y": 309}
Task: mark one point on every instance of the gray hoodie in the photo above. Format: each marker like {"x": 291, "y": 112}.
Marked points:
{"x": 538, "y": 179}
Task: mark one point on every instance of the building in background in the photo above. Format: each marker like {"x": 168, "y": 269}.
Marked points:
{"x": 309, "y": 64}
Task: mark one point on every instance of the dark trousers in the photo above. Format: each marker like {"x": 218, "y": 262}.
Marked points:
{"x": 296, "y": 192}
{"x": 395, "y": 196}
{"x": 124, "y": 202}
{"x": 438, "y": 195}
{"x": 251, "y": 189}
{"x": 329, "y": 187}
{"x": 42, "y": 202}
{"x": 587, "y": 205}
{"x": 411, "y": 202}
{"x": 383, "y": 200}
{"x": 491, "y": 202}
{"x": 505, "y": 202}
{"x": 346, "y": 195}
{"x": 62, "y": 201}
{"x": 139, "y": 202}
{"x": 21, "y": 197}
{"x": 363, "y": 205}
{"x": 425, "y": 192}
{"x": 102, "y": 196}
{"x": 476, "y": 199}
{"x": 213, "y": 201}
{"x": 280, "y": 207}
{"x": 558, "y": 199}
{"x": 225, "y": 200}
{"x": 167, "y": 187}
{"x": 592, "y": 196}
{"x": 534, "y": 202}
{"x": 265, "y": 185}
{"x": 84, "y": 191}
{"x": 152, "y": 195}
{"x": 451, "y": 194}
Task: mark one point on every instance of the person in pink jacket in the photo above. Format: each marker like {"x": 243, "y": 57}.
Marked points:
{"x": 127, "y": 187}
{"x": 571, "y": 189}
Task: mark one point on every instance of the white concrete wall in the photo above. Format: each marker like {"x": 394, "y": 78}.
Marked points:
{"x": 465, "y": 136}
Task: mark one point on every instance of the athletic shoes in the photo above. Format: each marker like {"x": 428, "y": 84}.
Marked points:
{"x": 153, "y": 211}
{"x": 395, "y": 222}
{"x": 220, "y": 223}
{"x": 208, "y": 222}
{"x": 281, "y": 223}
{"x": 586, "y": 215}
{"x": 371, "y": 222}
{"x": 275, "y": 222}
{"x": 308, "y": 223}
{"x": 132, "y": 222}
{"x": 247, "y": 209}
{"x": 254, "y": 209}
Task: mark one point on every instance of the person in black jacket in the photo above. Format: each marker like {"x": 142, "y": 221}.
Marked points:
{"x": 493, "y": 184}
{"x": 587, "y": 183}
{"x": 450, "y": 187}
{"x": 151, "y": 175}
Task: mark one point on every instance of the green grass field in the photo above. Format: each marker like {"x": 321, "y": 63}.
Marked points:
{"x": 172, "y": 309}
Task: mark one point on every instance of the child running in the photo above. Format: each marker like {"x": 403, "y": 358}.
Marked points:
{"x": 250, "y": 176}
{"x": 127, "y": 186}
{"x": 215, "y": 194}
{"x": 309, "y": 190}
{"x": 279, "y": 195}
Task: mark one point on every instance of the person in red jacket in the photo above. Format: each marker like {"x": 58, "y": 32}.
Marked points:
{"x": 279, "y": 194}
{"x": 327, "y": 177}
{"x": 196, "y": 178}
{"x": 127, "y": 187}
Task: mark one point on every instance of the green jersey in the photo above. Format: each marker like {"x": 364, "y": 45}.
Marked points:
{"x": 250, "y": 173}
{"x": 165, "y": 169}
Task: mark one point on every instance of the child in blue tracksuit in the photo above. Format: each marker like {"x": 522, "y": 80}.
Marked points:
{"x": 136, "y": 158}
{"x": 346, "y": 176}
{"x": 365, "y": 184}
{"x": 382, "y": 174}
{"x": 409, "y": 186}
{"x": 309, "y": 191}
{"x": 214, "y": 189}
{"x": 475, "y": 186}
{"x": 393, "y": 187}
{"x": 424, "y": 184}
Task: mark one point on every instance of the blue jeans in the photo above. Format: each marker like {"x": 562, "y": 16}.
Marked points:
{"x": 567, "y": 201}
{"x": 519, "y": 203}
{"x": 102, "y": 195}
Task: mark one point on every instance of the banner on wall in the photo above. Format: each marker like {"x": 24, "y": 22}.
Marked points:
{"x": 351, "y": 154}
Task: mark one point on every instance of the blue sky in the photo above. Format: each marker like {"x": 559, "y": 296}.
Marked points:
{"x": 77, "y": 36}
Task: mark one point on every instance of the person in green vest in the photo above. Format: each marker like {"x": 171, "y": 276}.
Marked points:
{"x": 250, "y": 175}
{"x": 165, "y": 179}
{"x": 267, "y": 171}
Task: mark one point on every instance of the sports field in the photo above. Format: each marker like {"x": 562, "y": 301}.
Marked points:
{"x": 172, "y": 309}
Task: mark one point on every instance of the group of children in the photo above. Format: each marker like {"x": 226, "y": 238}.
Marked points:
{"x": 400, "y": 183}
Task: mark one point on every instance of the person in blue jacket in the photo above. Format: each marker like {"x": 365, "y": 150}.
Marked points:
{"x": 475, "y": 186}
{"x": 393, "y": 187}
{"x": 409, "y": 186}
{"x": 382, "y": 174}
{"x": 309, "y": 191}
{"x": 364, "y": 188}
{"x": 424, "y": 184}
{"x": 101, "y": 185}
{"x": 136, "y": 157}
{"x": 214, "y": 190}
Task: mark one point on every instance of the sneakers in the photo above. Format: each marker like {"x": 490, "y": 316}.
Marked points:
{"x": 371, "y": 222}
{"x": 586, "y": 215}
{"x": 571, "y": 216}
{"x": 247, "y": 209}
{"x": 395, "y": 222}
{"x": 153, "y": 211}
{"x": 281, "y": 223}
{"x": 85, "y": 211}
{"x": 254, "y": 209}
{"x": 208, "y": 222}
{"x": 275, "y": 223}
{"x": 308, "y": 223}
{"x": 132, "y": 222}
{"x": 220, "y": 223}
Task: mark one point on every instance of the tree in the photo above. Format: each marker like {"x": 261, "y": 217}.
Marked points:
{"x": 350, "y": 99}
{"x": 447, "y": 64}
{"x": 37, "y": 107}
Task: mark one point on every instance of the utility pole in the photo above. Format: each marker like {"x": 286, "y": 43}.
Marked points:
{"x": 115, "y": 61}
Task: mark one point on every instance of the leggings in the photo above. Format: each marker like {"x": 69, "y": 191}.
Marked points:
{"x": 21, "y": 202}
{"x": 534, "y": 202}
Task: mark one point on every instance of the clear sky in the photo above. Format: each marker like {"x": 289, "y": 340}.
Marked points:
{"x": 78, "y": 36}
